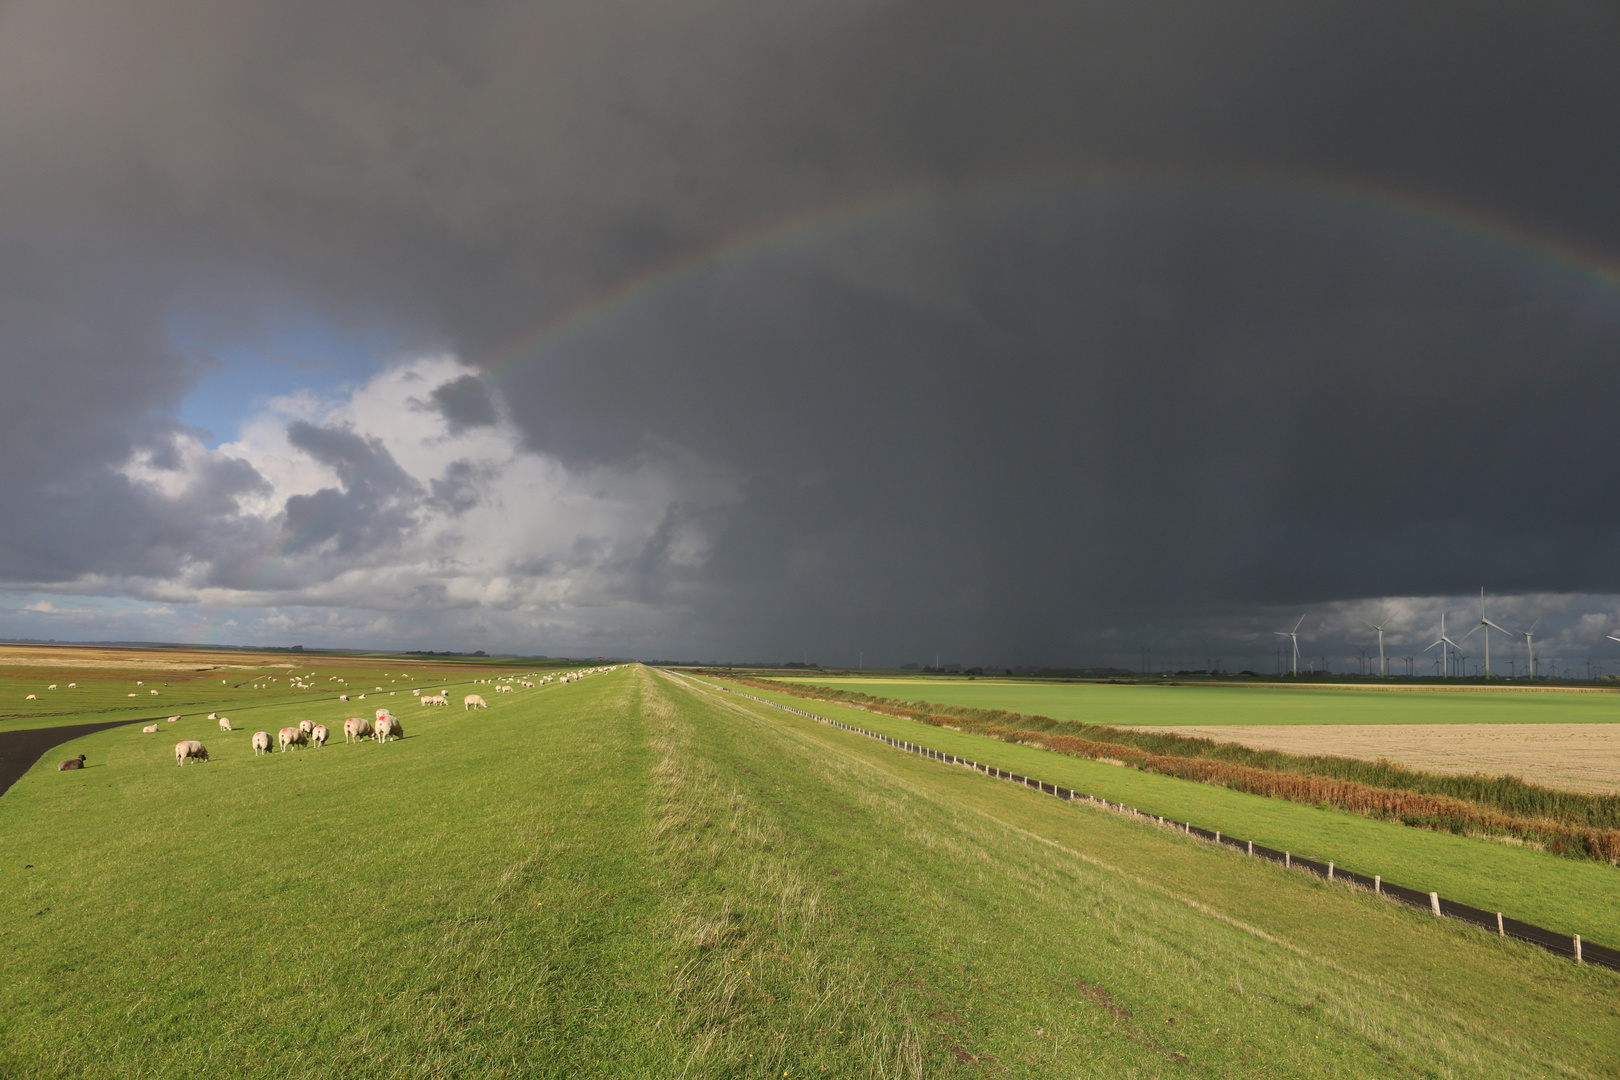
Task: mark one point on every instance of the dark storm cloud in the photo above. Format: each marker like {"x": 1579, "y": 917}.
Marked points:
{"x": 1000, "y": 419}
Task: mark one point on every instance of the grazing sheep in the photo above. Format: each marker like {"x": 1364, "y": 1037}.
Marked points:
{"x": 189, "y": 748}
{"x": 382, "y": 713}
{"x": 73, "y": 685}
{"x": 416, "y": 693}
{"x": 291, "y": 736}
{"x": 148, "y": 729}
{"x": 306, "y": 726}
{"x": 51, "y": 687}
{"x": 473, "y": 701}
{"x": 71, "y": 763}
{"x": 139, "y": 683}
{"x": 343, "y": 697}
{"x": 261, "y": 743}
{"x": 152, "y": 692}
{"x": 389, "y": 728}
{"x": 318, "y": 736}
{"x": 35, "y": 697}
{"x": 503, "y": 689}
{"x": 224, "y": 723}
{"x": 356, "y": 728}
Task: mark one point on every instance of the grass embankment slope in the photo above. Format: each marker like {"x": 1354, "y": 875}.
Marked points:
{"x": 1148, "y": 705}
{"x": 1573, "y": 897}
{"x": 630, "y": 877}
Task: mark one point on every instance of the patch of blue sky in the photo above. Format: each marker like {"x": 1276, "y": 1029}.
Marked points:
{"x": 242, "y": 368}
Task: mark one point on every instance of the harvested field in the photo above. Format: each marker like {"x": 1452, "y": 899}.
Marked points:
{"x": 1576, "y": 757}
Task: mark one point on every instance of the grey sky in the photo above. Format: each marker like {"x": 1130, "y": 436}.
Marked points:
{"x": 1111, "y": 323}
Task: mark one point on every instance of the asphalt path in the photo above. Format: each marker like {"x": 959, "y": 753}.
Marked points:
{"x": 20, "y": 749}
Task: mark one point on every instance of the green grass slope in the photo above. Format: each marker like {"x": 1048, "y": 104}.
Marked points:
{"x": 1146, "y": 704}
{"x": 632, "y": 877}
{"x": 1569, "y": 896}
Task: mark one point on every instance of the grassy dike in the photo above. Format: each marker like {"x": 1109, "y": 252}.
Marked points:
{"x": 633, "y": 876}
{"x": 1570, "y": 896}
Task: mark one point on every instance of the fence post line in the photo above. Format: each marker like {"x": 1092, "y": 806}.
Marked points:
{"x": 1499, "y": 931}
{"x": 1378, "y": 883}
{"x": 1288, "y": 859}
{"x": 1217, "y": 836}
{"x": 1578, "y": 949}
{"x": 1330, "y": 870}
{"x": 1251, "y": 847}
{"x": 1434, "y": 904}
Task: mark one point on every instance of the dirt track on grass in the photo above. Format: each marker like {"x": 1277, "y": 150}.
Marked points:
{"x": 20, "y": 749}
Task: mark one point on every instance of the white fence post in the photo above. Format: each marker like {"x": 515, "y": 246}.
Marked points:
{"x": 1434, "y": 904}
{"x": 1499, "y": 931}
{"x": 1251, "y": 847}
{"x": 1288, "y": 859}
{"x": 1330, "y": 871}
{"x": 1578, "y": 948}
{"x": 1378, "y": 883}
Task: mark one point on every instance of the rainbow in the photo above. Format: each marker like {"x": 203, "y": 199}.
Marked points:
{"x": 873, "y": 208}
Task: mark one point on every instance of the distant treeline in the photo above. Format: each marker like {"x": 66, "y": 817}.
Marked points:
{"x": 1563, "y": 822}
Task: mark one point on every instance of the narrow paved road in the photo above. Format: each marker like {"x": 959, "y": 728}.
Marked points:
{"x": 20, "y": 749}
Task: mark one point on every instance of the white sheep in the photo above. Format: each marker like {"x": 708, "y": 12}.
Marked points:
{"x": 189, "y": 748}
{"x": 173, "y": 719}
{"x": 343, "y": 697}
{"x": 318, "y": 736}
{"x": 473, "y": 701}
{"x": 213, "y": 716}
{"x": 306, "y": 726}
{"x": 356, "y": 728}
{"x": 261, "y": 743}
{"x": 73, "y": 686}
{"x": 389, "y": 728}
{"x": 51, "y": 687}
{"x": 35, "y": 697}
{"x": 416, "y": 693}
{"x": 382, "y": 713}
{"x": 291, "y": 736}
{"x": 503, "y": 689}
{"x": 148, "y": 729}
{"x": 224, "y": 723}
{"x": 152, "y": 692}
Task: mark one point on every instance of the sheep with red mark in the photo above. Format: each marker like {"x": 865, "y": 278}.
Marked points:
{"x": 291, "y": 736}
{"x": 356, "y": 728}
{"x": 318, "y": 736}
{"x": 389, "y": 728}
{"x": 189, "y": 748}
{"x": 148, "y": 729}
{"x": 261, "y": 743}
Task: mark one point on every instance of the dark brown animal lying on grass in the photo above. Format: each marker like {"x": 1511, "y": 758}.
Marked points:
{"x": 71, "y": 763}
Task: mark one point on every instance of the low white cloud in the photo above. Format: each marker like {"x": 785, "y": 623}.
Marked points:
{"x": 403, "y": 508}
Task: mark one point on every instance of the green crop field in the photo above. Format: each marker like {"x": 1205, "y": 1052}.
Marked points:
{"x": 1148, "y": 704}
{"x": 633, "y": 876}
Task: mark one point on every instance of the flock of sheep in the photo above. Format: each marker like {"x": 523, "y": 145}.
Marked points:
{"x": 383, "y": 728}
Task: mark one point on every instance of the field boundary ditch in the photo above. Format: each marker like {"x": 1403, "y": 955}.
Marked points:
{"x": 1571, "y": 946}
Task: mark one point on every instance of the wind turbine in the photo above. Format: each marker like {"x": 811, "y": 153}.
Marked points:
{"x": 1489, "y": 626}
{"x": 1446, "y": 666}
{"x": 1530, "y": 647}
{"x": 1293, "y": 635}
{"x": 1380, "y": 629}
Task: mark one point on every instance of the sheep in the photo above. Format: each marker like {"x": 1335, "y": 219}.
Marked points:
{"x": 148, "y": 729}
{"x": 139, "y": 683}
{"x": 189, "y": 748}
{"x": 51, "y": 687}
{"x": 362, "y": 697}
{"x": 416, "y": 693}
{"x": 306, "y": 726}
{"x": 152, "y": 692}
{"x": 343, "y": 697}
{"x": 318, "y": 736}
{"x": 261, "y": 743}
{"x": 213, "y": 716}
{"x": 291, "y": 736}
{"x": 127, "y": 695}
{"x": 71, "y": 763}
{"x": 473, "y": 701}
{"x": 73, "y": 686}
{"x": 382, "y": 713}
{"x": 503, "y": 689}
{"x": 35, "y": 697}
{"x": 173, "y": 719}
{"x": 356, "y": 728}
{"x": 389, "y": 728}
{"x": 224, "y": 723}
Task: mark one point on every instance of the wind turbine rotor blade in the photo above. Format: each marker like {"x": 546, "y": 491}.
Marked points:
{"x": 1493, "y": 626}
{"x": 1297, "y": 625}
{"x": 1470, "y": 633}
{"x": 1611, "y": 637}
